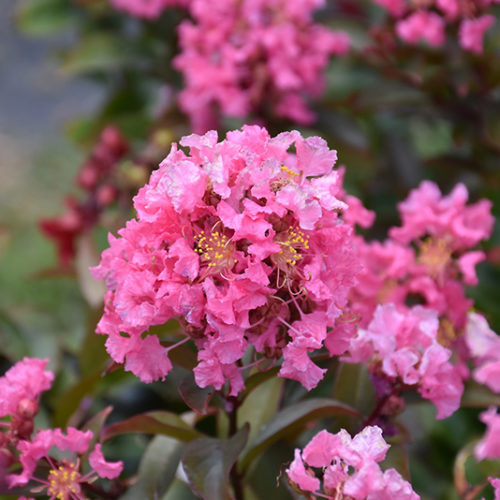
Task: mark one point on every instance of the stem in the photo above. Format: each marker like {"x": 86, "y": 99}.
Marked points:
{"x": 235, "y": 475}
{"x": 380, "y": 404}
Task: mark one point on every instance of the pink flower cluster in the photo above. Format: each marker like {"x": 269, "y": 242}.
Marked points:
{"x": 244, "y": 241}
{"x": 418, "y": 20}
{"x": 349, "y": 466}
{"x": 21, "y": 386}
{"x": 20, "y": 389}
{"x": 245, "y": 56}
{"x": 64, "y": 480}
{"x": 403, "y": 349}
{"x": 149, "y": 9}
{"x": 484, "y": 347}
{"x": 429, "y": 258}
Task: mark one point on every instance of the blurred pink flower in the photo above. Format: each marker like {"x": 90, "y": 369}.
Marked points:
{"x": 484, "y": 347}
{"x": 350, "y": 467}
{"x": 421, "y": 20}
{"x": 422, "y": 25}
{"x": 472, "y": 32}
{"x": 489, "y": 446}
{"x": 25, "y": 381}
{"x": 238, "y": 57}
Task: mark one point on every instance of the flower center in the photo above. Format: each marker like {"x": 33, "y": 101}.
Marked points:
{"x": 292, "y": 243}
{"x": 435, "y": 256}
{"x": 216, "y": 250}
{"x": 64, "y": 482}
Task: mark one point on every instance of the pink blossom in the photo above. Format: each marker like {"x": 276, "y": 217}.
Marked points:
{"x": 299, "y": 475}
{"x": 489, "y": 446}
{"x": 239, "y": 56}
{"x": 64, "y": 479}
{"x": 484, "y": 347}
{"x": 495, "y": 482}
{"x": 422, "y": 25}
{"x": 247, "y": 244}
{"x": 26, "y": 380}
{"x": 418, "y": 20}
{"x": 472, "y": 32}
{"x": 443, "y": 231}
{"x": 349, "y": 466}
{"x": 403, "y": 346}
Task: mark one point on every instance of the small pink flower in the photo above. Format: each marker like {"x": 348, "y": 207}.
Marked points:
{"x": 26, "y": 380}
{"x": 422, "y": 25}
{"x": 349, "y": 466}
{"x": 472, "y": 32}
{"x": 64, "y": 480}
{"x": 484, "y": 347}
{"x": 489, "y": 446}
{"x": 495, "y": 482}
{"x": 403, "y": 345}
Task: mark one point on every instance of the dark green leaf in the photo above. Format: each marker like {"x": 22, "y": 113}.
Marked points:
{"x": 195, "y": 397}
{"x": 208, "y": 462}
{"x": 155, "y": 422}
{"x": 479, "y": 396}
{"x": 69, "y": 401}
{"x": 293, "y": 418}
{"x": 157, "y": 469}
{"x": 96, "y": 52}
{"x": 260, "y": 405}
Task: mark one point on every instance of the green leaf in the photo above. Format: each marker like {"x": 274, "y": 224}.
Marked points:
{"x": 291, "y": 419}
{"x": 157, "y": 469}
{"x": 257, "y": 379}
{"x": 207, "y": 463}
{"x": 69, "y": 401}
{"x": 179, "y": 491}
{"x": 155, "y": 422}
{"x": 260, "y": 405}
{"x": 45, "y": 17}
{"x": 479, "y": 396}
{"x": 353, "y": 387}
{"x": 96, "y": 52}
{"x": 96, "y": 423}
{"x": 397, "y": 458}
{"x": 195, "y": 397}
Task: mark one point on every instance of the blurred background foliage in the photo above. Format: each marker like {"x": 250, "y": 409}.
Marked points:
{"x": 395, "y": 118}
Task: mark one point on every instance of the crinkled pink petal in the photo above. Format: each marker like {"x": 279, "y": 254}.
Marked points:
{"x": 298, "y": 366}
{"x": 109, "y": 470}
{"x": 489, "y": 446}
{"x": 298, "y": 474}
{"x": 472, "y": 31}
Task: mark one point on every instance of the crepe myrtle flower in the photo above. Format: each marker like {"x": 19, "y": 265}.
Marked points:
{"x": 248, "y": 244}
{"x": 347, "y": 468}
{"x": 65, "y": 480}
{"x": 402, "y": 348}
{"x": 20, "y": 390}
{"x": 243, "y": 57}
{"x": 484, "y": 348}
{"x": 430, "y": 258}
{"x": 427, "y": 20}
